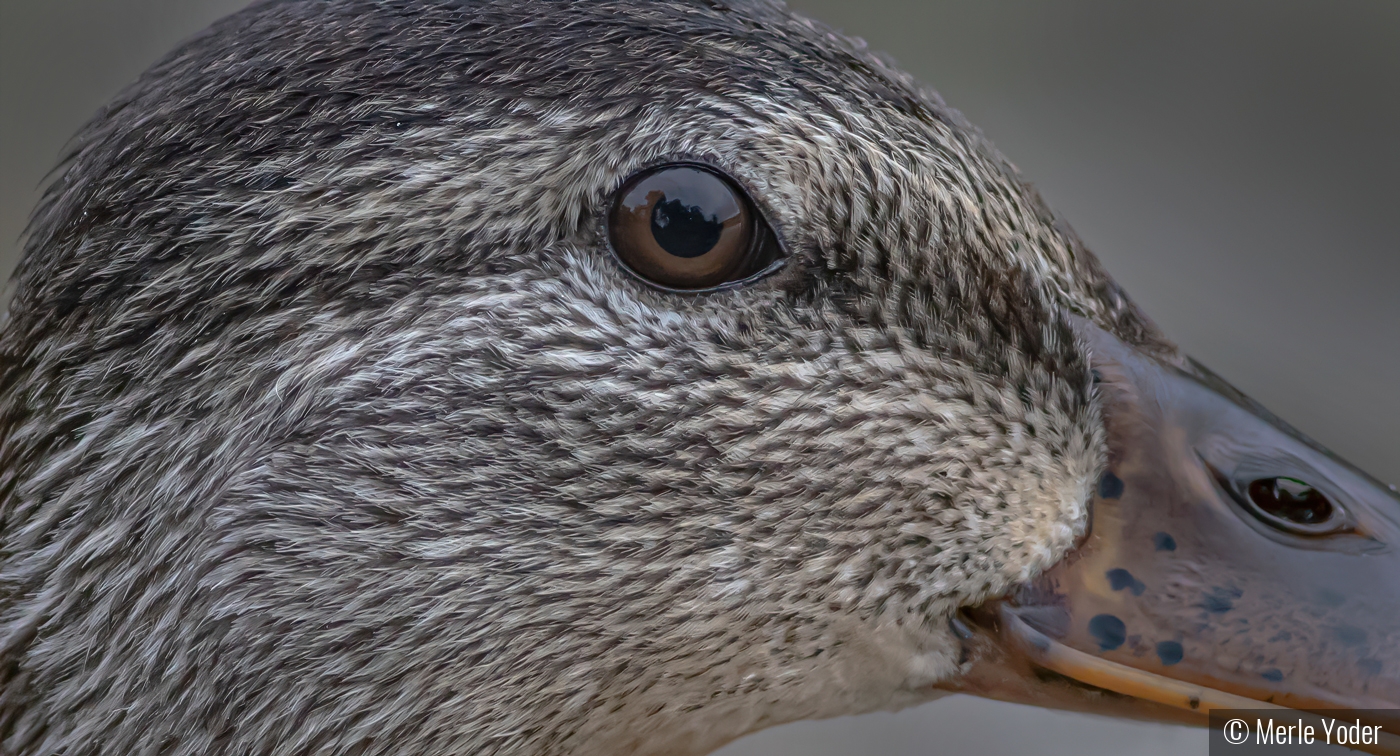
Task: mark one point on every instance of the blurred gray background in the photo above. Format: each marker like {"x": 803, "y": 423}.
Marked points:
{"x": 1235, "y": 163}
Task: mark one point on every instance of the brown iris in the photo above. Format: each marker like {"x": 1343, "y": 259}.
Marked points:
{"x": 684, "y": 227}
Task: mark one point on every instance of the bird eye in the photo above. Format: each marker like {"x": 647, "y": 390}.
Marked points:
{"x": 687, "y": 227}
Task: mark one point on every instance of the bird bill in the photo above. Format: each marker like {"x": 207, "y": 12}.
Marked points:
{"x": 1230, "y": 563}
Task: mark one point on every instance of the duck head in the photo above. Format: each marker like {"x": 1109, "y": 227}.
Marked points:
{"x": 612, "y": 377}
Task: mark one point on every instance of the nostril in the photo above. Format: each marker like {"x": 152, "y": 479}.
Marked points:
{"x": 1291, "y": 499}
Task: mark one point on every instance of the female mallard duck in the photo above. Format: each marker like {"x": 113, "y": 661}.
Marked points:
{"x": 423, "y": 377}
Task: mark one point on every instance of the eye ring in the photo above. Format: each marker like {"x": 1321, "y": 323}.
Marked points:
{"x": 686, "y": 227}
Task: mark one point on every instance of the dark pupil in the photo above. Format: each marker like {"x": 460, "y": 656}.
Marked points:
{"x": 1290, "y": 499}
{"x": 683, "y": 230}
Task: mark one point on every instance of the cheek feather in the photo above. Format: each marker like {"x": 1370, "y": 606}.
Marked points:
{"x": 341, "y": 426}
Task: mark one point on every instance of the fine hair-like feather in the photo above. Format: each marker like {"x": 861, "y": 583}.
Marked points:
{"x": 329, "y": 424}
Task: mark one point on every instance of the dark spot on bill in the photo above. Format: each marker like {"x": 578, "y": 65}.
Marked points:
{"x": 1119, "y": 578}
{"x": 1110, "y": 486}
{"x": 1220, "y": 600}
{"x": 1108, "y": 630}
{"x": 1170, "y": 652}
